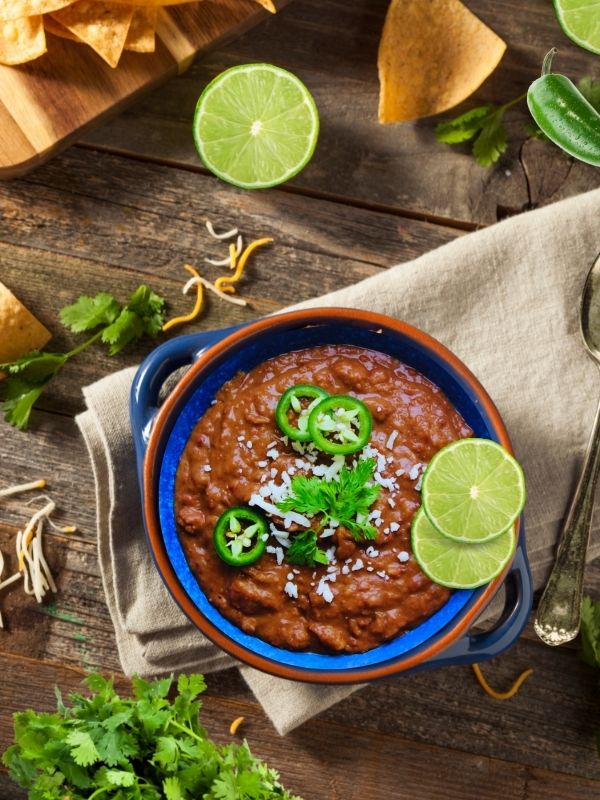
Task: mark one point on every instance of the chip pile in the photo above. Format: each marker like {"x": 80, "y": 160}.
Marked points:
{"x": 108, "y": 26}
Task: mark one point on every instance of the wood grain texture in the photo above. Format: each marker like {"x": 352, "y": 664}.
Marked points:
{"x": 49, "y": 102}
{"x": 399, "y": 168}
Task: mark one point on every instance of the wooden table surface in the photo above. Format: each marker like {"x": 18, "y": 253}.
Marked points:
{"x": 128, "y": 204}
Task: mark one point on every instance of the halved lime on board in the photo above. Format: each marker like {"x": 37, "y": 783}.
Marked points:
{"x": 256, "y": 126}
{"x": 580, "y": 20}
{"x": 459, "y": 565}
{"x": 473, "y": 490}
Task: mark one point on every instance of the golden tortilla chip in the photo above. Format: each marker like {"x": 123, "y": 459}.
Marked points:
{"x": 433, "y": 54}
{"x": 102, "y": 25}
{"x": 268, "y": 4}
{"x": 53, "y": 27}
{"x": 142, "y": 31}
{"x": 22, "y": 40}
{"x": 15, "y": 9}
{"x": 20, "y": 331}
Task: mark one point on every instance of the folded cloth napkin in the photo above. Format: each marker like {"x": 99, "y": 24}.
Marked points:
{"x": 506, "y": 301}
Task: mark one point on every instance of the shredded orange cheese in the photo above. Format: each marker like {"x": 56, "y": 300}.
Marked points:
{"x": 500, "y": 695}
{"x": 235, "y": 725}
{"x": 233, "y": 255}
{"x": 197, "y": 307}
{"x": 225, "y": 282}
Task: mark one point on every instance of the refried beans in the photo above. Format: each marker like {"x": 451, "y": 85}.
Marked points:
{"x": 370, "y": 591}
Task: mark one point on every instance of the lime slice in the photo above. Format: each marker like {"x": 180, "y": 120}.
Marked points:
{"x": 580, "y": 20}
{"x": 458, "y": 565}
{"x": 256, "y": 126}
{"x": 473, "y": 490}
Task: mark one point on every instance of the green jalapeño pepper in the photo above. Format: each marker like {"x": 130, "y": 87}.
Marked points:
{"x": 564, "y": 115}
{"x": 240, "y": 536}
{"x": 290, "y": 404}
{"x": 340, "y": 425}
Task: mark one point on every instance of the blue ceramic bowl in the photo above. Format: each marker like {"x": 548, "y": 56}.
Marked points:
{"x": 161, "y": 435}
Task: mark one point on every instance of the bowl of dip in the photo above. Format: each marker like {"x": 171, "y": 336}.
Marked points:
{"x": 214, "y": 445}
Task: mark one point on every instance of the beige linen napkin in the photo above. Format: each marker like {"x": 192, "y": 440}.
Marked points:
{"x": 506, "y": 301}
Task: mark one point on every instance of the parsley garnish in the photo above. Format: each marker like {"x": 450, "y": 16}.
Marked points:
{"x": 146, "y": 748}
{"x": 121, "y": 325}
{"x": 304, "y": 552}
{"x": 346, "y": 500}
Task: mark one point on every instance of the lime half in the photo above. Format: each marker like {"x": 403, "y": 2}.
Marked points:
{"x": 580, "y": 20}
{"x": 458, "y": 565}
{"x": 256, "y": 126}
{"x": 473, "y": 490}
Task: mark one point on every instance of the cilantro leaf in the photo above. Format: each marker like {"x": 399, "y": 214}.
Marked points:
{"x": 346, "y": 500}
{"x": 590, "y": 632}
{"x": 172, "y": 789}
{"x": 309, "y": 496}
{"x": 18, "y": 398}
{"x": 465, "y": 126}
{"x": 590, "y": 89}
{"x": 88, "y": 312}
{"x": 303, "y": 550}
{"x": 83, "y": 748}
{"x": 491, "y": 142}
{"x": 149, "y": 307}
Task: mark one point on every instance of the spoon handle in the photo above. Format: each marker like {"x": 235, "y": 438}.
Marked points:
{"x": 559, "y": 612}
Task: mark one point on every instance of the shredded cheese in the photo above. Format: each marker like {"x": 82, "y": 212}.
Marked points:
{"x": 235, "y": 725}
{"x": 197, "y": 306}
{"x": 22, "y": 487}
{"x": 215, "y": 235}
{"x": 237, "y": 301}
{"x": 226, "y": 280}
{"x": 500, "y": 695}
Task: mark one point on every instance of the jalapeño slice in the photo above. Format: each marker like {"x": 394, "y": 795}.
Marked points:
{"x": 291, "y": 401}
{"x": 239, "y": 536}
{"x": 340, "y": 424}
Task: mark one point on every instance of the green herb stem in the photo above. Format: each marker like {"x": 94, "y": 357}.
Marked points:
{"x": 83, "y": 346}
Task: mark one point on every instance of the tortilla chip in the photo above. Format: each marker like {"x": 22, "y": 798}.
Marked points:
{"x": 142, "y": 31}
{"x": 22, "y": 40}
{"x": 433, "y": 54}
{"x": 20, "y": 331}
{"x": 268, "y": 4}
{"x": 15, "y": 9}
{"x": 102, "y": 25}
{"x": 53, "y": 27}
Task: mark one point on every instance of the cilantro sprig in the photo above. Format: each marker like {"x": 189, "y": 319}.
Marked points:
{"x": 346, "y": 500}
{"x": 590, "y": 638}
{"x": 142, "y": 315}
{"x": 146, "y": 748}
{"x": 484, "y": 126}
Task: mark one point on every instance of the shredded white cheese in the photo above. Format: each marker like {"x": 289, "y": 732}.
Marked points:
{"x": 226, "y": 235}
{"x": 391, "y": 439}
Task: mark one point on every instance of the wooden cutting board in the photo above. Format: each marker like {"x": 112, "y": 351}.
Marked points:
{"x": 47, "y": 104}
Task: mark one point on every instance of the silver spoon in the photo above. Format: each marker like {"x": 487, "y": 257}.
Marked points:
{"x": 559, "y": 612}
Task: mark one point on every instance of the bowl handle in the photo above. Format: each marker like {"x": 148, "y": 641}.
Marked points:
{"x": 475, "y": 647}
{"x": 153, "y": 372}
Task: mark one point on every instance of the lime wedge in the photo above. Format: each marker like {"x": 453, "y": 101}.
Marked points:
{"x": 580, "y": 20}
{"x": 473, "y": 490}
{"x": 256, "y": 126}
{"x": 458, "y": 565}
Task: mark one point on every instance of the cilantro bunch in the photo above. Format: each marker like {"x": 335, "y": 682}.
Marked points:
{"x": 590, "y": 638}
{"x": 143, "y": 314}
{"x": 147, "y": 748}
{"x": 346, "y": 500}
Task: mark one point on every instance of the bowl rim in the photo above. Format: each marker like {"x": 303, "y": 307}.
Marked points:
{"x": 317, "y": 315}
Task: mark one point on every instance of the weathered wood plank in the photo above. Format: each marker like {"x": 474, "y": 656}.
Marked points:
{"x": 399, "y": 167}
{"x": 368, "y": 765}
